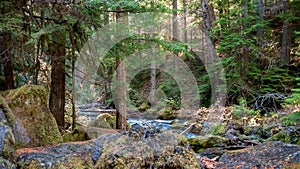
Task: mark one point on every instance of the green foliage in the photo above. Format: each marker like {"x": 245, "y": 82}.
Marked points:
{"x": 218, "y": 129}
{"x": 295, "y": 97}
{"x": 241, "y": 110}
{"x": 291, "y": 119}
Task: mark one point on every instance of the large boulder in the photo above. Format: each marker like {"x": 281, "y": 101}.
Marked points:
{"x": 273, "y": 154}
{"x": 66, "y": 155}
{"x": 29, "y": 117}
{"x": 7, "y": 140}
{"x": 143, "y": 148}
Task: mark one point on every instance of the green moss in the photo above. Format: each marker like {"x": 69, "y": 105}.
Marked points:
{"x": 167, "y": 114}
{"x": 9, "y": 145}
{"x": 144, "y": 107}
{"x": 281, "y": 136}
{"x": 5, "y": 163}
{"x": 218, "y": 129}
{"x": 33, "y": 164}
{"x": 77, "y": 163}
{"x": 8, "y": 114}
{"x": 77, "y": 135}
{"x": 105, "y": 120}
{"x": 206, "y": 142}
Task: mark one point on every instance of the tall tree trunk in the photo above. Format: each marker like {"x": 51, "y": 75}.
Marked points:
{"x": 286, "y": 35}
{"x": 122, "y": 93}
{"x": 7, "y": 59}
{"x": 260, "y": 32}
{"x": 245, "y": 53}
{"x": 184, "y": 21}
{"x": 175, "y": 30}
{"x": 73, "y": 98}
{"x": 57, "y": 88}
{"x": 175, "y": 20}
{"x": 206, "y": 16}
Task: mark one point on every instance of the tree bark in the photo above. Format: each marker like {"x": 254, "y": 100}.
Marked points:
{"x": 122, "y": 93}
{"x": 245, "y": 53}
{"x": 57, "y": 88}
{"x": 206, "y": 16}
{"x": 153, "y": 79}
{"x": 184, "y": 21}
{"x": 260, "y": 32}
{"x": 286, "y": 35}
{"x": 175, "y": 30}
{"x": 7, "y": 61}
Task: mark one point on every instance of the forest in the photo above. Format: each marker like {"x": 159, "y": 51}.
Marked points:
{"x": 222, "y": 73}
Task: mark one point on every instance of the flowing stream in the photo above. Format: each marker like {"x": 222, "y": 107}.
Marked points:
{"x": 164, "y": 125}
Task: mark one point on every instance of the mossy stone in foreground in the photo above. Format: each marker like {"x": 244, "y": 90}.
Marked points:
{"x": 143, "y": 148}
{"x": 33, "y": 124}
{"x": 208, "y": 141}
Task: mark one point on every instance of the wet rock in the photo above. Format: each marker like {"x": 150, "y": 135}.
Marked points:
{"x": 67, "y": 155}
{"x": 212, "y": 152}
{"x": 29, "y": 117}
{"x": 273, "y": 154}
{"x": 143, "y": 148}
{"x": 95, "y": 132}
{"x": 208, "y": 141}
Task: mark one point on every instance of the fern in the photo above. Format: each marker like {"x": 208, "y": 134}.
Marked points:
{"x": 295, "y": 97}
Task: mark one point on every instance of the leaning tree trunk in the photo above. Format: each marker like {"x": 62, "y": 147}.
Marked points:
{"x": 57, "y": 88}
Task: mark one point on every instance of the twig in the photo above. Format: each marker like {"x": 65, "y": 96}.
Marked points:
{"x": 145, "y": 123}
{"x": 191, "y": 125}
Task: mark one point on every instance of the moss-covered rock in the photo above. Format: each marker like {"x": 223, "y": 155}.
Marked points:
{"x": 104, "y": 120}
{"x": 167, "y": 114}
{"x": 287, "y": 134}
{"x": 143, "y": 148}
{"x": 5, "y": 164}
{"x": 95, "y": 132}
{"x": 7, "y": 140}
{"x": 30, "y": 118}
{"x": 208, "y": 141}
{"x": 144, "y": 107}
{"x": 58, "y": 156}
{"x": 78, "y": 134}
